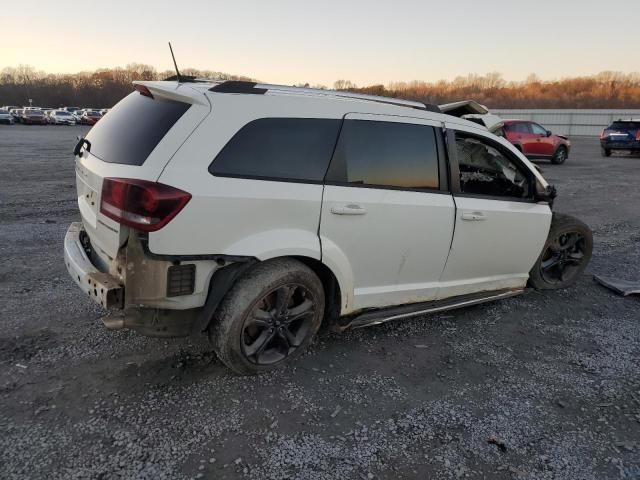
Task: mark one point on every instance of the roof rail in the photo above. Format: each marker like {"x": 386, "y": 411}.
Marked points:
{"x": 237, "y": 86}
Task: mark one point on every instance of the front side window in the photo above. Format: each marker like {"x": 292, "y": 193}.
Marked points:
{"x": 294, "y": 149}
{"x": 485, "y": 170}
{"x": 538, "y": 130}
{"x": 385, "y": 154}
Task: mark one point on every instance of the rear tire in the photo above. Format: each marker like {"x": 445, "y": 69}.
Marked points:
{"x": 560, "y": 156}
{"x": 269, "y": 317}
{"x": 605, "y": 152}
{"x": 565, "y": 254}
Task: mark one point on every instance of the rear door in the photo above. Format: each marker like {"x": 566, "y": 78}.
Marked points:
{"x": 136, "y": 140}
{"x": 499, "y": 228}
{"x": 387, "y": 215}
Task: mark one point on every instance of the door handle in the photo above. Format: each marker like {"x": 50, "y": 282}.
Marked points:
{"x": 351, "y": 209}
{"x": 473, "y": 216}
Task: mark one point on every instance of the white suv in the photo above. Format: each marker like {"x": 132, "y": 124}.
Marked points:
{"x": 255, "y": 212}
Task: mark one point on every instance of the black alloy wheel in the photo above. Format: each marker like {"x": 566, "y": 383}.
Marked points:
{"x": 278, "y": 324}
{"x": 562, "y": 261}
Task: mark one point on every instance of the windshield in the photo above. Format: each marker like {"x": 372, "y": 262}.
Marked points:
{"x": 35, "y": 113}
{"x": 133, "y": 128}
{"x": 63, "y": 114}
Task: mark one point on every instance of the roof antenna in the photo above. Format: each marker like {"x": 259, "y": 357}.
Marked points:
{"x": 178, "y": 76}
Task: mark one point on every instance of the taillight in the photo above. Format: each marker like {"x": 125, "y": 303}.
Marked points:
{"x": 602, "y": 133}
{"x": 143, "y": 205}
{"x": 144, "y": 91}
{"x": 638, "y": 135}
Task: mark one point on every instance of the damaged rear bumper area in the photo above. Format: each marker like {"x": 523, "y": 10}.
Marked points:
{"x": 103, "y": 288}
{"x": 154, "y": 297}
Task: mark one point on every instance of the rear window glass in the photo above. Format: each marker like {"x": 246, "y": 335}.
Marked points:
{"x": 296, "y": 149}
{"x": 385, "y": 154}
{"x": 133, "y": 128}
{"x": 625, "y": 125}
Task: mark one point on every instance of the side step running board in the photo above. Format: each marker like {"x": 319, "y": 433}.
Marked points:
{"x": 377, "y": 317}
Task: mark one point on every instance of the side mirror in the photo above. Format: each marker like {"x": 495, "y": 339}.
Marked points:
{"x": 547, "y": 194}
{"x": 549, "y": 133}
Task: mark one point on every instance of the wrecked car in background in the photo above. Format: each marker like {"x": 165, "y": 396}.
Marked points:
{"x": 281, "y": 208}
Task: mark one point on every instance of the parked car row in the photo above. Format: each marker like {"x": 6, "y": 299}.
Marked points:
{"x": 49, "y": 116}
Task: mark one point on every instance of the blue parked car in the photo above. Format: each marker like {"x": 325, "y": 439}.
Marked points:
{"x": 621, "y": 135}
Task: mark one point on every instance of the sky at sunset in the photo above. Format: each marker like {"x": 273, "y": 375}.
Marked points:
{"x": 319, "y": 42}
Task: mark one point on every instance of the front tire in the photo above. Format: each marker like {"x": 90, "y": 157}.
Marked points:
{"x": 565, "y": 254}
{"x": 560, "y": 156}
{"x": 268, "y": 317}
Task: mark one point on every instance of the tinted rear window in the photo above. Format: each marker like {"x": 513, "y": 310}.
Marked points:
{"x": 625, "y": 125}
{"x": 133, "y": 128}
{"x": 385, "y": 154}
{"x": 297, "y": 149}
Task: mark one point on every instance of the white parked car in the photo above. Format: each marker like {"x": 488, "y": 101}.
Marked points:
{"x": 255, "y": 212}
{"x": 6, "y": 117}
{"x": 62, "y": 117}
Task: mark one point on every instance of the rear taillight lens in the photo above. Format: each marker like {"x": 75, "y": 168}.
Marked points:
{"x": 602, "y": 133}
{"x": 638, "y": 135}
{"x": 143, "y": 205}
{"x": 144, "y": 91}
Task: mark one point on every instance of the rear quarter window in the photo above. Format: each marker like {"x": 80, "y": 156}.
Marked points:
{"x": 286, "y": 149}
{"x": 133, "y": 128}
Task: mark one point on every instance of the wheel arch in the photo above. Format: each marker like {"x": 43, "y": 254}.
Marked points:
{"x": 561, "y": 145}
{"x": 331, "y": 285}
{"x": 225, "y": 278}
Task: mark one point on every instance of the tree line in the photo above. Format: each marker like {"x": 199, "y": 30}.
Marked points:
{"x": 98, "y": 89}
{"x": 105, "y": 87}
{"x": 604, "y": 90}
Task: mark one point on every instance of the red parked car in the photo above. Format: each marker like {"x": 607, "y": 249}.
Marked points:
{"x": 33, "y": 117}
{"x": 536, "y": 142}
{"x": 90, "y": 117}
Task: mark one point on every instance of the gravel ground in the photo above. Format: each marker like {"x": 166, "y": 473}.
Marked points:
{"x": 541, "y": 386}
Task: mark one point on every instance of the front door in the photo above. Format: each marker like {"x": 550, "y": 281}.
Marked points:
{"x": 541, "y": 143}
{"x": 387, "y": 217}
{"x": 499, "y": 228}
{"x": 520, "y": 134}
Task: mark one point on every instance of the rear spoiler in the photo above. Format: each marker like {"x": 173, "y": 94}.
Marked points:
{"x": 173, "y": 91}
